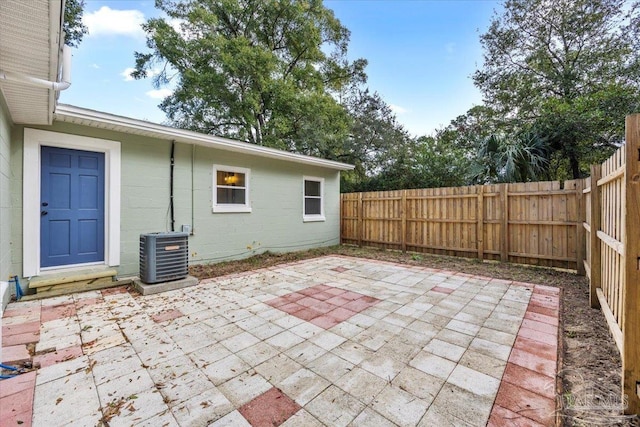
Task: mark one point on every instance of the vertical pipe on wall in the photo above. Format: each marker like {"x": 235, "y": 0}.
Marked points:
{"x": 193, "y": 157}
{"x": 173, "y": 219}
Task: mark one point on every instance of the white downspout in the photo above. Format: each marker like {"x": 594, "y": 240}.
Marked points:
{"x": 34, "y": 81}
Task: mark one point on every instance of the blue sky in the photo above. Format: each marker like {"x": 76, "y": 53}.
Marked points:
{"x": 421, "y": 57}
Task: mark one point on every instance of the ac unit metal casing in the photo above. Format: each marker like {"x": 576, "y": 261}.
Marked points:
{"x": 164, "y": 257}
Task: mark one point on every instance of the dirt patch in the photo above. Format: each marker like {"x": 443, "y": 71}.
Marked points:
{"x": 591, "y": 364}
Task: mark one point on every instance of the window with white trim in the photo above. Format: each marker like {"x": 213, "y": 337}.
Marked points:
{"x": 231, "y": 189}
{"x": 313, "y": 199}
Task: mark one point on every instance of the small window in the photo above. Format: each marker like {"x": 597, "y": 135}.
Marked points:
{"x": 313, "y": 206}
{"x": 231, "y": 189}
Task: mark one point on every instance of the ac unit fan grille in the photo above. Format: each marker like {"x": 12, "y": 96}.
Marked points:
{"x": 164, "y": 257}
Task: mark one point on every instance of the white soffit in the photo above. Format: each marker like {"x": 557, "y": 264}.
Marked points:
{"x": 29, "y": 45}
{"x": 96, "y": 119}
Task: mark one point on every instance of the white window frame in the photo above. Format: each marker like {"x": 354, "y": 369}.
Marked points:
{"x": 313, "y": 217}
{"x": 34, "y": 139}
{"x": 231, "y": 207}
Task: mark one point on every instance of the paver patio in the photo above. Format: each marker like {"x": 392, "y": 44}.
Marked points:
{"x": 331, "y": 341}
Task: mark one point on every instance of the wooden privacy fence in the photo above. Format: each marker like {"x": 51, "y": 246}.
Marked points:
{"x": 613, "y": 252}
{"x": 537, "y": 223}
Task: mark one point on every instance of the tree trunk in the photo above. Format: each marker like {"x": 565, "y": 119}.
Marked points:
{"x": 575, "y": 165}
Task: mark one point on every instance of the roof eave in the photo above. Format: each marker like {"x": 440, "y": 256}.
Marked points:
{"x": 97, "y": 119}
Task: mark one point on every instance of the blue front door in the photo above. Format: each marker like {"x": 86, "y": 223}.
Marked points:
{"x": 72, "y": 207}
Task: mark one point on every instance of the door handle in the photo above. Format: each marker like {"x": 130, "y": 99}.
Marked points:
{"x": 45, "y": 204}
{"x": 43, "y": 213}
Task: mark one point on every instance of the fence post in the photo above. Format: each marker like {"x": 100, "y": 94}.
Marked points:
{"x": 595, "y": 262}
{"x": 504, "y": 230}
{"x": 580, "y": 235}
{"x": 360, "y": 222}
{"x": 480, "y": 225}
{"x": 631, "y": 292}
{"x": 403, "y": 217}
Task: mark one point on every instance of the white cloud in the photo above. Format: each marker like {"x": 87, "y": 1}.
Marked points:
{"x": 127, "y": 74}
{"x": 94, "y": 65}
{"x": 398, "y": 109}
{"x": 159, "y": 93}
{"x": 107, "y": 21}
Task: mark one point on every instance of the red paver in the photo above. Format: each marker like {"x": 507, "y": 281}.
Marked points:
{"x": 339, "y": 269}
{"x": 323, "y": 305}
{"x": 543, "y": 310}
{"x": 527, "y": 403}
{"x": 308, "y": 313}
{"x": 57, "y": 312}
{"x": 527, "y": 392}
{"x": 18, "y": 339}
{"x": 538, "y": 383}
{"x": 357, "y": 305}
{"x": 540, "y": 349}
{"x": 17, "y": 384}
{"x": 542, "y": 300}
{"x": 442, "y": 290}
{"x": 539, "y": 326}
{"x": 21, "y": 311}
{"x": 293, "y": 297}
{"x": 541, "y": 337}
{"x": 548, "y": 290}
{"x": 167, "y": 315}
{"x": 533, "y": 362}
{"x": 335, "y": 291}
{"x": 308, "y": 301}
{"x": 370, "y": 300}
{"x": 338, "y": 300}
{"x": 341, "y": 314}
{"x": 21, "y": 328}
{"x": 308, "y": 292}
{"x": 23, "y": 420}
{"x": 322, "y": 296}
{"x": 270, "y": 409}
{"x": 550, "y": 320}
{"x": 351, "y": 296}
{"x": 326, "y": 321}
{"x": 501, "y": 417}
{"x": 291, "y": 307}
{"x": 15, "y": 354}
{"x": 62, "y": 355}
{"x": 18, "y": 406}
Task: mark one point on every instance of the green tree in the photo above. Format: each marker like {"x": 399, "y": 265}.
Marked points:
{"x": 510, "y": 158}
{"x": 72, "y": 26}
{"x": 375, "y": 138}
{"x": 566, "y": 68}
{"x": 266, "y": 72}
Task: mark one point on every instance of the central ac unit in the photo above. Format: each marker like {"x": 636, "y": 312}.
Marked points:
{"x": 164, "y": 257}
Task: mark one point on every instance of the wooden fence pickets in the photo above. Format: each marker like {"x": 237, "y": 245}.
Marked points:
{"x": 613, "y": 253}
{"x": 527, "y": 223}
